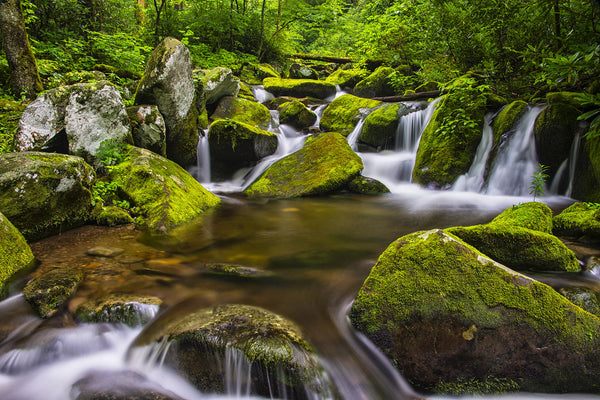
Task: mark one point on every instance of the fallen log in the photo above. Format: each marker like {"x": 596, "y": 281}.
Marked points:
{"x": 315, "y": 57}
{"x": 412, "y": 96}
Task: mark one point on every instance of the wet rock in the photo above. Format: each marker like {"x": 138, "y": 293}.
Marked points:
{"x": 128, "y": 309}
{"x": 101, "y": 251}
{"x": 242, "y": 110}
{"x": 586, "y": 184}
{"x": 75, "y": 120}
{"x": 578, "y": 220}
{"x": 324, "y": 165}
{"x": 15, "y": 253}
{"x": 378, "y": 84}
{"x": 379, "y": 130}
{"x": 365, "y": 185}
{"x": 296, "y": 114}
{"x": 235, "y": 145}
{"x": 268, "y": 348}
{"x": 219, "y": 82}
{"x": 299, "y": 88}
{"x": 254, "y": 74}
{"x": 47, "y": 292}
{"x": 121, "y": 385}
{"x": 585, "y": 298}
{"x": 519, "y": 238}
{"x": 168, "y": 83}
{"x": 235, "y": 271}
{"x": 301, "y": 71}
{"x": 165, "y": 194}
{"x": 444, "y": 313}
{"x": 343, "y": 113}
{"x": 347, "y": 78}
{"x": 43, "y": 193}
{"x": 504, "y": 125}
{"x": 148, "y": 128}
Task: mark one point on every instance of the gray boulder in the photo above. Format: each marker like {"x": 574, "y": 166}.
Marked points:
{"x": 42, "y": 193}
{"x": 219, "y": 82}
{"x": 148, "y": 128}
{"x": 168, "y": 83}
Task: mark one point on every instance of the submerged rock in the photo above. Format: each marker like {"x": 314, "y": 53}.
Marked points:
{"x": 242, "y": 110}
{"x": 296, "y": 114}
{"x": 579, "y": 220}
{"x": 148, "y": 128}
{"x": 15, "y": 253}
{"x": 299, "y": 88}
{"x": 235, "y": 145}
{"x": 43, "y": 193}
{"x": 270, "y": 349}
{"x": 520, "y": 239}
{"x": 169, "y": 84}
{"x": 343, "y": 113}
{"x": 165, "y": 194}
{"x": 128, "y": 309}
{"x": 443, "y": 312}
{"x": 47, "y": 292}
{"x": 326, "y": 164}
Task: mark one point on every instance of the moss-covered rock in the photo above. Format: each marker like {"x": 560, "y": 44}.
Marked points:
{"x": 148, "y": 128}
{"x": 128, "y": 309}
{"x": 47, "y": 292}
{"x": 165, "y": 194}
{"x": 449, "y": 142}
{"x": 235, "y": 145}
{"x": 169, "y": 84}
{"x": 586, "y": 298}
{"x": 15, "y": 254}
{"x": 280, "y": 361}
{"x": 365, "y": 185}
{"x": 570, "y": 98}
{"x": 379, "y": 130}
{"x": 301, "y": 71}
{"x": 444, "y": 312}
{"x": 43, "y": 193}
{"x": 343, "y": 113}
{"x": 578, "y": 220}
{"x": 296, "y": 114}
{"x": 253, "y": 74}
{"x": 519, "y": 238}
{"x": 586, "y": 185}
{"x": 299, "y": 88}
{"x": 347, "y": 78}
{"x": 429, "y": 86}
{"x": 242, "y": 110}
{"x": 324, "y": 165}
{"x": 377, "y": 84}
{"x": 113, "y": 216}
{"x": 507, "y": 118}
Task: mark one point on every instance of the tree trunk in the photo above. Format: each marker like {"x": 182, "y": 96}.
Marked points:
{"x": 557, "y": 29}
{"x": 24, "y": 75}
{"x": 262, "y": 30}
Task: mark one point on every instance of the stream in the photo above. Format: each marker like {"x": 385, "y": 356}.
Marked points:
{"x": 317, "y": 250}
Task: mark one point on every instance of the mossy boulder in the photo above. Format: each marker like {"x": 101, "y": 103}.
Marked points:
{"x": 519, "y": 238}
{"x": 169, "y": 84}
{"x": 218, "y": 82}
{"x": 578, "y": 220}
{"x": 148, "y": 128}
{"x": 450, "y": 140}
{"x": 586, "y": 298}
{"x": 347, "y": 78}
{"x": 554, "y": 130}
{"x": 365, "y": 185}
{"x": 242, "y": 110}
{"x": 326, "y": 164}
{"x": 165, "y": 194}
{"x": 507, "y": 118}
{"x": 270, "y": 348}
{"x": 379, "y": 130}
{"x": 443, "y": 313}
{"x": 296, "y": 114}
{"x": 47, "y": 292}
{"x": 570, "y": 98}
{"x": 302, "y": 71}
{"x": 15, "y": 253}
{"x": 113, "y": 216}
{"x": 378, "y": 84}
{"x": 74, "y": 120}
{"x": 235, "y": 145}
{"x": 128, "y": 309}
{"x": 44, "y": 193}
{"x": 343, "y": 113}
{"x": 299, "y": 88}
{"x": 253, "y": 74}
{"x": 586, "y": 184}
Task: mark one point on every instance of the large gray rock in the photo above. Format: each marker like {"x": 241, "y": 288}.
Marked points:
{"x": 219, "y": 82}
{"x": 148, "y": 128}
{"x": 44, "y": 193}
{"x": 75, "y": 120}
{"x": 15, "y": 253}
{"x": 168, "y": 83}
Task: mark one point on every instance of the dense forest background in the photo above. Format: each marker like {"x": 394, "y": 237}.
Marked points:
{"x": 521, "y": 47}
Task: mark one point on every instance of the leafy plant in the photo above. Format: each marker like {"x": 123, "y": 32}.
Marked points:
{"x": 106, "y": 193}
{"x": 538, "y": 180}
{"x": 111, "y": 153}
{"x": 593, "y": 100}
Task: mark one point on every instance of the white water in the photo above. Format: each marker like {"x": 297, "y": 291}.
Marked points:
{"x": 474, "y": 180}
{"x": 203, "y": 174}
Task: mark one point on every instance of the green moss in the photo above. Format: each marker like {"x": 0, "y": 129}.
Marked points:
{"x": 489, "y": 385}
{"x": 299, "y": 87}
{"x": 367, "y": 186}
{"x": 46, "y": 293}
{"x": 554, "y": 131}
{"x": 570, "y": 98}
{"x": 586, "y": 186}
{"x": 242, "y": 110}
{"x": 533, "y": 215}
{"x": 127, "y": 309}
{"x": 343, "y": 113}
{"x": 165, "y": 194}
{"x": 428, "y": 87}
{"x": 507, "y": 118}
{"x": 376, "y": 84}
{"x": 15, "y": 254}
{"x": 296, "y": 114}
{"x": 380, "y": 126}
{"x": 324, "y": 165}
{"x": 347, "y": 77}
{"x": 113, "y": 216}
{"x": 578, "y": 220}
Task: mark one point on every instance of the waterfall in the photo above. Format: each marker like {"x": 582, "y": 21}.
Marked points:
{"x": 261, "y": 95}
{"x": 353, "y": 136}
{"x": 516, "y": 160}
{"x": 474, "y": 180}
{"x": 573, "y": 162}
{"x": 203, "y": 175}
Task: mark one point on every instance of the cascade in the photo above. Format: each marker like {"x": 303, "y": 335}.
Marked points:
{"x": 261, "y": 95}
{"x": 516, "y": 160}
{"x": 573, "y": 162}
{"x": 203, "y": 174}
{"x": 353, "y": 136}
